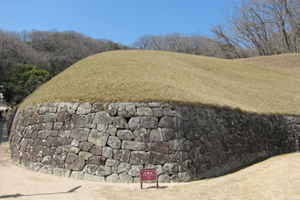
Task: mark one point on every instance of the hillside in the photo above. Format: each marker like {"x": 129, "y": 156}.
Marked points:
{"x": 254, "y": 85}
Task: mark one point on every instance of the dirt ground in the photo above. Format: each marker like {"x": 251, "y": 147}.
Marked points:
{"x": 275, "y": 178}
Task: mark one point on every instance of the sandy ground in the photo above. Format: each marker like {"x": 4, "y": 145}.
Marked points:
{"x": 275, "y": 178}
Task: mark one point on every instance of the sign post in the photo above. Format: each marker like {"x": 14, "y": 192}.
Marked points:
{"x": 148, "y": 175}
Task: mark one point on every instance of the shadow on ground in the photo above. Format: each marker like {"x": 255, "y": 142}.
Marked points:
{"x": 28, "y": 195}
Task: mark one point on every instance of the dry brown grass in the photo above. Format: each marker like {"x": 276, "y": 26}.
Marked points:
{"x": 174, "y": 77}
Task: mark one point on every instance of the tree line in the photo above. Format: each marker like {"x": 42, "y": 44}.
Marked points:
{"x": 49, "y": 50}
{"x": 250, "y": 28}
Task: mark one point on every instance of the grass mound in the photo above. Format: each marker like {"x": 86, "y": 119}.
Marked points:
{"x": 252, "y": 85}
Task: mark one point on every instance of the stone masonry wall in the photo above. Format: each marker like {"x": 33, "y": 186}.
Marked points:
{"x": 112, "y": 142}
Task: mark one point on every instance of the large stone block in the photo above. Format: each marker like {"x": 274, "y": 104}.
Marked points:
{"x": 80, "y": 134}
{"x": 156, "y": 158}
{"x": 98, "y": 106}
{"x": 132, "y": 145}
{"x": 114, "y": 178}
{"x": 144, "y": 111}
{"x": 74, "y": 162}
{"x": 171, "y": 168}
{"x": 120, "y": 122}
{"x": 102, "y": 118}
{"x": 149, "y": 122}
{"x": 126, "y": 109}
{"x": 114, "y": 142}
{"x": 135, "y": 170}
{"x": 98, "y": 138}
{"x": 123, "y": 168}
{"x": 138, "y": 157}
{"x": 134, "y": 122}
{"x": 125, "y": 135}
{"x": 156, "y": 135}
{"x": 121, "y": 155}
{"x": 85, "y": 146}
{"x": 84, "y": 108}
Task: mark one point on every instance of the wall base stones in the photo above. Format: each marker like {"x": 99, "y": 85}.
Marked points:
{"x": 112, "y": 142}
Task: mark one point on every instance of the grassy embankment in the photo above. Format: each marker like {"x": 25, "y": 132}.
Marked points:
{"x": 263, "y": 85}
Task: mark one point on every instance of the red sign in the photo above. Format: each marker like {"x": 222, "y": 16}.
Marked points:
{"x": 148, "y": 175}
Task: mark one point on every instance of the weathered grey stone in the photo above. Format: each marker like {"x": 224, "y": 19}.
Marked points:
{"x": 125, "y": 135}
{"x": 57, "y": 125}
{"x": 132, "y": 145}
{"x": 112, "y": 130}
{"x": 113, "y": 108}
{"x": 140, "y": 135}
{"x": 164, "y": 178}
{"x": 89, "y": 177}
{"x": 125, "y": 178}
{"x": 98, "y": 138}
{"x": 84, "y": 108}
{"x": 168, "y": 134}
{"x": 135, "y": 170}
{"x": 76, "y": 174}
{"x": 46, "y": 169}
{"x": 185, "y": 176}
{"x": 169, "y": 112}
{"x": 123, "y": 168}
{"x": 74, "y": 162}
{"x": 79, "y": 121}
{"x": 75, "y": 143}
{"x": 154, "y": 104}
{"x": 149, "y": 122}
{"x": 102, "y": 118}
{"x": 96, "y": 150}
{"x": 91, "y": 169}
{"x": 103, "y": 171}
{"x": 175, "y": 178}
{"x": 98, "y": 106}
{"x": 144, "y": 111}
{"x": 85, "y": 155}
{"x": 175, "y": 145}
{"x": 80, "y": 134}
{"x": 102, "y": 127}
{"x": 70, "y": 149}
{"x": 126, "y": 109}
{"x": 68, "y": 125}
{"x": 166, "y": 122}
{"x": 114, "y": 142}
{"x": 140, "y": 104}
{"x": 112, "y": 163}
{"x": 61, "y": 172}
{"x": 107, "y": 152}
{"x": 121, "y": 155}
{"x": 64, "y": 134}
{"x": 134, "y": 122}
{"x": 120, "y": 122}
{"x": 156, "y": 158}
{"x": 114, "y": 178}
{"x": 96, "y": 160}
{"x": 36, "y": 166}
{"x": 156, "y": 135}
{"x": 138, "y": 157}
{"x": 158, "y": 112}
{"x": 171, "y": 168}
{"x": 45, "y": 160}
{"x": 85, "y": 146}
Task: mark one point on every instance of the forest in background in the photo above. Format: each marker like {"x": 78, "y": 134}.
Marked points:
{"x": 251, "y": 28}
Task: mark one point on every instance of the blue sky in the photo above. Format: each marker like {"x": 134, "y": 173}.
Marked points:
{"x": 118, "y": 20}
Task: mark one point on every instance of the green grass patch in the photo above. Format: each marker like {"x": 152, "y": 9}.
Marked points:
{"x": 252, "y": 85}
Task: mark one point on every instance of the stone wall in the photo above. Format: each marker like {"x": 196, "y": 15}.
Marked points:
{"x": 112, "y": 142}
